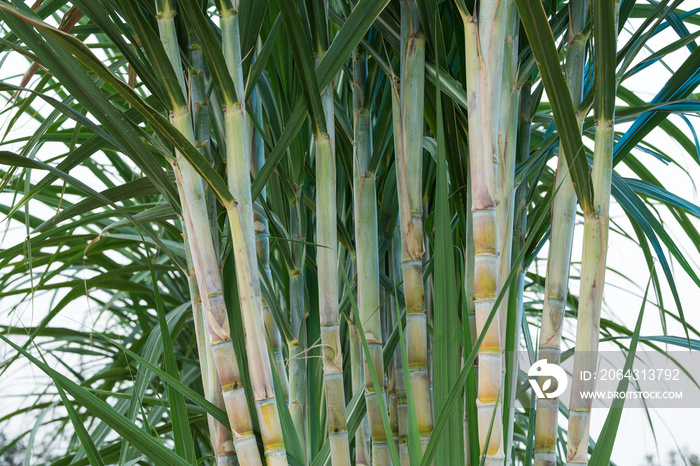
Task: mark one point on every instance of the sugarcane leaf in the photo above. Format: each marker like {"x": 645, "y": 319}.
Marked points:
{"x": 156, "y": 52}
{"x": 654, "y": 230}
{"x": 544, "y": 50}
{"x": 8, "y": 158}
{"x": 649, "y": 189}
{"x": 214, "y": 54}
{"x": 679, "y": 85}
{"x": 446, "y": 324}
{"x": 262, "y": 57}
{"x": 373, "y": 374}
{"x": 81, "y": 86}
{"x": 184, "y": 446}
{"x": 66, "y": 110}
{"x": 604, "y": 446}
{"x": 188, "y": 151}
{"x": 99, "y": 15}
{"x": 130, "y": 190}
{"x": 457, "y": 389}
{"x": 354, "y": 29}
{"x": 304, "y": 65}
{"x": 148, "y": 445}
{"x": 86, "y": 442}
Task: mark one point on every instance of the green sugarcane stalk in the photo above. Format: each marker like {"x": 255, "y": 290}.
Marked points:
{"x": 519, "y": 231}
{"x": 221, "y": 436}
{"x": 395, "y": 378}
{"x": 595, "y": 230}
{"x": 505, "y": 179}
{"x": 327, "y": 255}
{"x": 367, "y": 255}
{"x": 484, "y": 46}
{"x": 560, "y": 244}
{"x": 238, "y": 168}
{"x": 326, "y": 258}
{"x": 401, "y": 413}
{"x": 362, "y": 454}
{"x": 240, "y": 141}
{"x": 409, "y": 174}
{"x": 262, "y": 242}
{"x": 297, "y": 347}
{"x": 199, "y": 107}
{"x": 206, "y": 271}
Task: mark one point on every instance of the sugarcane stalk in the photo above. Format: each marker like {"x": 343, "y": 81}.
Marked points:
{"x": 469, "y": 331}
{"x": 241, "y": 221}
{"x": 241, "y": 148}
{"x": 519, "y": 231}
{"x": 396, "y": 254}
{"x": 297, "y": 347}
{"x": 206, "y": 270}
{"x": 595, "y": 230}
{"x": 199, "y": 107}
{"x": 209, "y": 282}
{"x": 484, "y": 46}
{"x": 221, "y": 436}
{"x": 560, "y": 244}
{"x": 395, "y": 374}
{"x": 505, "y": 179}
{"x": 322, "y": 114}
{"x": 367, "y": 255}
{"x": 409, "y": 171}
{"x": 262, "y": 243}
{"x": 362, "y": 454}
{"x": 326, "y": 258}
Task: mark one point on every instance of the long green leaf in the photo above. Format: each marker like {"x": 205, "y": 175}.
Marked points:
{"x": 539, "y": 33}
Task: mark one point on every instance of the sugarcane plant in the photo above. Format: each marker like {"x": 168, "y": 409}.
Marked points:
{"x": 331, "y": 232}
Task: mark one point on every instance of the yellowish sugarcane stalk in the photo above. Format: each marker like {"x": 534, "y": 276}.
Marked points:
{"x": 210, "y": 290}
{"x": 367, "y": 255}
{"x": 409, "y": 171}
{"x": 238, "y": 168}
{"x": 560, "y": 243}
{"x": 206, "y": 268}
{"x": 221, "y": 437}
{"x": 471, "y": 315}
{"x": 595, "y": 231}
{"x": 484, "y": 44}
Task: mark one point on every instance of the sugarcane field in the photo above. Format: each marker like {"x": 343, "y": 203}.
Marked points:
{"x": 349, "y": 232}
